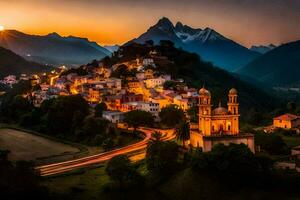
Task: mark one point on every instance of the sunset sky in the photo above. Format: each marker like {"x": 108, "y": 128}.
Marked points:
{"x": 117, "y": 21}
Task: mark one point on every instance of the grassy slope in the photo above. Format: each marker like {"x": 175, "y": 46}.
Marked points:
{"x": 85, "y": 184}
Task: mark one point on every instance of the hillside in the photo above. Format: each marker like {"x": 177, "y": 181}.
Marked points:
{"x": 207, "y": 43}
{"x": 52, "y": 48}
{"x": 11, "y": 63}
{"x": 278, "y": 67}
{"x": 197, "y": 73}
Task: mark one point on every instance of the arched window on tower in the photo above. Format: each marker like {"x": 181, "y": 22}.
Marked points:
{"x": 228, "y": 127}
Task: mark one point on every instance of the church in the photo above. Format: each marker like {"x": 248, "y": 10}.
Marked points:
{"x": 218, "y": 125}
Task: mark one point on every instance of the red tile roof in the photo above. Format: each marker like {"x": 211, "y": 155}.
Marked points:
{"x": 287, "y": 117}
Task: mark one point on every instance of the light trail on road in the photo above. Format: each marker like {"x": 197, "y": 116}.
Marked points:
{"x": 67, "y": 166}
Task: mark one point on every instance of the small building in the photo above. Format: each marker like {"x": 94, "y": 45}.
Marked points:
{"x": 9, "y": 80}
{"x": 159, "y": 81}
{"x": 286, "y": 121}
{"x": 148, "y": 62}
{"x": 151, "y": 107}
{"x": 94, "y": 95}
{"x": 113, "y": 116}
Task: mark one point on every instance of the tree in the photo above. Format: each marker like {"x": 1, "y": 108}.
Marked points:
{"x": 138, "y": 118}
{"x": 161, "y": 157}
{"x": 19, "y": 180}
{"x": 108, "y": 144}
{"x": 193, "y": 113}
{"x": 271, "y": 143}
{"x": 99, "y": 109}
{"x": 156, "y": 136}
{"x": 171, "y": 115}
{"x": 63, "y": 109}
{"x": 182, "y": 132}
{"x": 234, "y": 163}
{"x": 169, "y": 85}
{"x": 120, "y": 170}
{"x": 93, "y": 126}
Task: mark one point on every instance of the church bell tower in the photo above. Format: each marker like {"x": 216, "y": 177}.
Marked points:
{"x": 205, "y": 111}
{"x": 233, "y": 108}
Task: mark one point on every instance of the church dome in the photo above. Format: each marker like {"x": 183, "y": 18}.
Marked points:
{"x": 220, "y": 110}
{"x": 204, "y": 91}
{"x": 233, "y": 91}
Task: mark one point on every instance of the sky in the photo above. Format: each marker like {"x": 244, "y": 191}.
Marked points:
{"x": 249, "y": 22}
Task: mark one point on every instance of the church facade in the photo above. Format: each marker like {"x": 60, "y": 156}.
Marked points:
{"x": 218, "y": 125}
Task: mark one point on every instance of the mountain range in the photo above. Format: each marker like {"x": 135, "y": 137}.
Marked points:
{"x": 112, "y": 48}
{"x": 278, "y": 67}
{"x": 52, "y": 48}
{"x": 262, "y": 48}
{"x": 209, "y": 44}
{"x": 11, "y": 63}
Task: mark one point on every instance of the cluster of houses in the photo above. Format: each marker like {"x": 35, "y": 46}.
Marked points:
{"x": 10, "y": 80}
{"x": 144, "y": 91}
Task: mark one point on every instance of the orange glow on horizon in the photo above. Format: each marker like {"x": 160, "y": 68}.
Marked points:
{"x": 116, "y": 21}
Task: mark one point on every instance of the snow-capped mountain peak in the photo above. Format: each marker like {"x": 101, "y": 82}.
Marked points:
{"x": 263, "y": 49}
{"x": 208, "y": 43}
{"x": 188, "y": 34}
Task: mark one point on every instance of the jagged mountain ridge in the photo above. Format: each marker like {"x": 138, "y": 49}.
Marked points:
{"x": 263, "y": 48}
{"x": 209, "y": 44}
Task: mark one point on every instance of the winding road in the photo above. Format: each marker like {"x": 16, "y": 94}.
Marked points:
{"x": 67, "y": 166}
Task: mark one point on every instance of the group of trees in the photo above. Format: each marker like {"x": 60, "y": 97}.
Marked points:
{"x": 67, "y": 117}
{"x": 14, "y": 104}
{"x": 123, "y": 172}
{"x": 232, "y": 165}
{"x": 138, "y": 118}
{"x": 272, "y": 143}
{"x": 161, "y": 162}
{"x": 171, "y": 115}
{"x": 19, "y": 180}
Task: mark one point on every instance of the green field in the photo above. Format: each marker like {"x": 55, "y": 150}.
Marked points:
{"x": 83, "y": 184}
{"x": 26, "y": 146}
{"x": 91, "y": 183}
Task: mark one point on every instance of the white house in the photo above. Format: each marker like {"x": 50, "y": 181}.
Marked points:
{"x": 113, "y": 116}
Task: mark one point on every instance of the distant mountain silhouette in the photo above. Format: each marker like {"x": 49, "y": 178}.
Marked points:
{"x": 280, "y": 66}
{"x": 209, "y": 44}
{"x": 52, "y": 48}
{"x": 13, "y": 64}
{"x": 112, "y": 48}
{"x": 263, "y": 49}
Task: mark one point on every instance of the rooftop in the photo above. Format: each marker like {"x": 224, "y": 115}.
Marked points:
{"x": 287, "y": 117}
